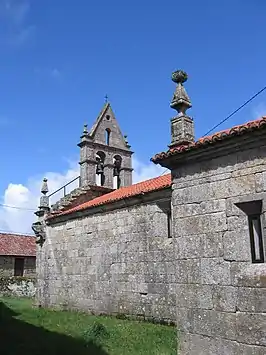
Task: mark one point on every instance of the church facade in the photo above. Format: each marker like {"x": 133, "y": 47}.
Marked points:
{"x": 187, "y": 247}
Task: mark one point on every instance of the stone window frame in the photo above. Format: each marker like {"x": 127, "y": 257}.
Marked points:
{"x": 253, "y": 209}
{"x": 166, "y": 207}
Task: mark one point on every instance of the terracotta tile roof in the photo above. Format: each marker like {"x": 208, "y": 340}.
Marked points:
{"x": 215, "y": 138}
{"x": 17, "y": 245}
{"x": 140, "y": 188}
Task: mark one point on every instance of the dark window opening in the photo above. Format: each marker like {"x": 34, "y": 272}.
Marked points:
{"x": 169, "y": 224}
{"x": 108, "y": 117}
{"x": 19, "y": 267}
{"x": 107, "y": 136}
{"x": 253, "y": 211}
{"x": 256, "y": 240}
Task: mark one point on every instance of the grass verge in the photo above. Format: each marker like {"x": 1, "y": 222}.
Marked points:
{"x": 26, "y": 330}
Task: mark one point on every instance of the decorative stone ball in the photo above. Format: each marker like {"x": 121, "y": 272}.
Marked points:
{"x": 179, "y": 76}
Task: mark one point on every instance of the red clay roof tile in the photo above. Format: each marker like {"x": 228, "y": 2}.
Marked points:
{"x": 216, "y": 137}
{"x": 17, "y": 245}
{"x": 143, "y": 187}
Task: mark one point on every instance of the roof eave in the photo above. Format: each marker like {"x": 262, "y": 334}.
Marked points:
{"x": 140, "y": 198}
{"x": 214, "y": 149}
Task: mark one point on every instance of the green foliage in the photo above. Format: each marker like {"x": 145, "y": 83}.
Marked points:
{"x": 97, "y": 332}
{"x": 55, "y": 332}
{"x": 121, "y": 316}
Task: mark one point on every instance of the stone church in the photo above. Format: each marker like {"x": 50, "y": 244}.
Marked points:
{"x": 186, "y": 247}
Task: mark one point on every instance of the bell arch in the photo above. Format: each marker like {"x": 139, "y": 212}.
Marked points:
{"x": 100, "y": 159}
{"x": 117, "y": 164}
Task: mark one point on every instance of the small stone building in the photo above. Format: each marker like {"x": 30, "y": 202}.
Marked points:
{"x": 17, "y": 255}
{"x": 188, "y": 246}
{"x": 219, "y": 229}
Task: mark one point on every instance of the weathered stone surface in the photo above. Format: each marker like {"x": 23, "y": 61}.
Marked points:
{"x": 194, "y": 296}
{"x": 196, "y": 246}
{"x": 224, "y": 298}
{"x": 214, "y": 324}
{"x": 251, "y": 299}
{"x": 188, "y": 271}
{"x": 251, "y": 328}
{"x": 222, "y": 189}
{"x": 111, "y": 263}
{"x": 215, "y": 271}
{"x": 215, "y": 222}
{"x": 248, "y": 275}
{"x": 194, "y": 344}
{"x": 201, "y": 208}
{"x": 237, "y": 245}
{"x": 212, "y": 241}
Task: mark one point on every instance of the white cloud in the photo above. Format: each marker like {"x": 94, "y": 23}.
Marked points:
{"x": 14, "y": 19}
{"x": 27, "y": 196}
{"x": 144, "y": 171}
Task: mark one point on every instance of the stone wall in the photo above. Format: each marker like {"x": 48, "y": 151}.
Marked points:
{"x": 17, "y": 286}
{"x": 7, "y": 266}
{"x": 221, "y": 294}
{"x": 111, "y": 262}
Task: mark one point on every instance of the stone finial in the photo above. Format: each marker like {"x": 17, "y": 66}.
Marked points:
{"x": 44, "y": 200}
{"x": 85, "y": 129}
{"x": 182, "y": 126}
{"x": 181, "y": 101}
{"x": 44, "y": 188}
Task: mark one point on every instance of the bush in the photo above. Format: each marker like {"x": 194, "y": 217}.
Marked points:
{"x": 97, "y": 332}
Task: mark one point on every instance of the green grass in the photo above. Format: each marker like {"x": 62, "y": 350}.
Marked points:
{"x": 25, "y": 330}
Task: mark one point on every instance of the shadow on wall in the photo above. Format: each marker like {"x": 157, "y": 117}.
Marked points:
{"x": 18, "y": 337}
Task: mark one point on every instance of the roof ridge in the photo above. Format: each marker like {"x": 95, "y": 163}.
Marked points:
{"x": 16, "y": 234}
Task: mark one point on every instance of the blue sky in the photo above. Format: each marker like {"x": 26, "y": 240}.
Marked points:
{"x": 59, "y": 59}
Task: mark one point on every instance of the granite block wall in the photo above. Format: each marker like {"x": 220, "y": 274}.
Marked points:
{"x": 113, "y": 262}
{"x": 221, "y": 294}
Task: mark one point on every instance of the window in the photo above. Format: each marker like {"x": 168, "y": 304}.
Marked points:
{"x": 107, "y": 136}
{"x": 166, "y": 211}
{"x": 256, "y": 242}
{"x": 19, "y": 267}
{"x": 169, "y": 224}
{"x": 253, "y": 211}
